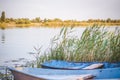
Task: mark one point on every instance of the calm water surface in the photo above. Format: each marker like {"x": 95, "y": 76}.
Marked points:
{"x": 17, "y": 43}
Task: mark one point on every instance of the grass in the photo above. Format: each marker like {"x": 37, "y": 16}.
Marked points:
{"x": 97, "y": 43}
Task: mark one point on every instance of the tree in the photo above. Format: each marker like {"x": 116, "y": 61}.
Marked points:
{"x": 108, "y": 20}
{"x": 45, "y": 20}
{"x": 37, "y": 19}
{"x": 3, "y": 16}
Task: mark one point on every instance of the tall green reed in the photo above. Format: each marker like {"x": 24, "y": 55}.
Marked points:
{"x": 97, "y": 43}
{"x": 115, "y": 45}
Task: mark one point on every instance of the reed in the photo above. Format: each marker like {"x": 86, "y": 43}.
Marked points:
{"x": 97, "y": 43}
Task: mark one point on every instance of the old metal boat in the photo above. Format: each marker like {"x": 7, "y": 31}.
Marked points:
{"x": 108, "y": 71}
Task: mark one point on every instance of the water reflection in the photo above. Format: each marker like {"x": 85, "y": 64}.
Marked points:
{"x": 16, "y": 43}
{"x": 20, "y": 62}
{"x": 3, "y": 37}
{"x": 117, "y": 29}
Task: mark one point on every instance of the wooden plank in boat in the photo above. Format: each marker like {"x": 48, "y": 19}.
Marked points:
{"x": 81, "y": 77}
{"x": 94, "y": 66}
{"x": 67, "y": 77}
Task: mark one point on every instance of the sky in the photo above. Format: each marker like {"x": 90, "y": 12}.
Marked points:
{"x": 63, "y": 9}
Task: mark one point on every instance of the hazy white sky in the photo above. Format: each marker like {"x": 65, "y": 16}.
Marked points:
{"x": 63, "y": 9}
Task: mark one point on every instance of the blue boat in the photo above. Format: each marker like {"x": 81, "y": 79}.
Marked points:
{"x": 63, "y": 70}
{"x": 57, "y": 74}
{"x": 59, "y": 64}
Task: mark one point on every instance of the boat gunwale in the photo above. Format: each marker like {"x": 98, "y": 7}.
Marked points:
{"x": 71, "y": 62}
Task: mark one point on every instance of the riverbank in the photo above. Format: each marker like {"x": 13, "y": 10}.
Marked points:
{"x": 55, "y": 24}
{"x": 14, "y": 25}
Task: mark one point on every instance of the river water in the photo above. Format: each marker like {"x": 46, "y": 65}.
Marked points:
{"x": 16, "y": 43}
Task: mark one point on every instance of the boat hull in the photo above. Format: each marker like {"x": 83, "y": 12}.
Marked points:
{"x": 50, "y": 74}
{"x": 21, "y": 76}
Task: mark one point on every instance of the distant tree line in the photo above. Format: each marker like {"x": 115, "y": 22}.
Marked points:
{"x": 57, "y": 21}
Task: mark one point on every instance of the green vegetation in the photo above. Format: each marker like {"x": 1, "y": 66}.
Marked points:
{"x": 38, "y": 22}
{"x": 97, "y": 43}
{"x": 22, "y": 21}
{"x": 4, "y": 74}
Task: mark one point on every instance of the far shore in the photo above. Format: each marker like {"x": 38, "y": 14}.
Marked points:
{"x": 50, "y": 24}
